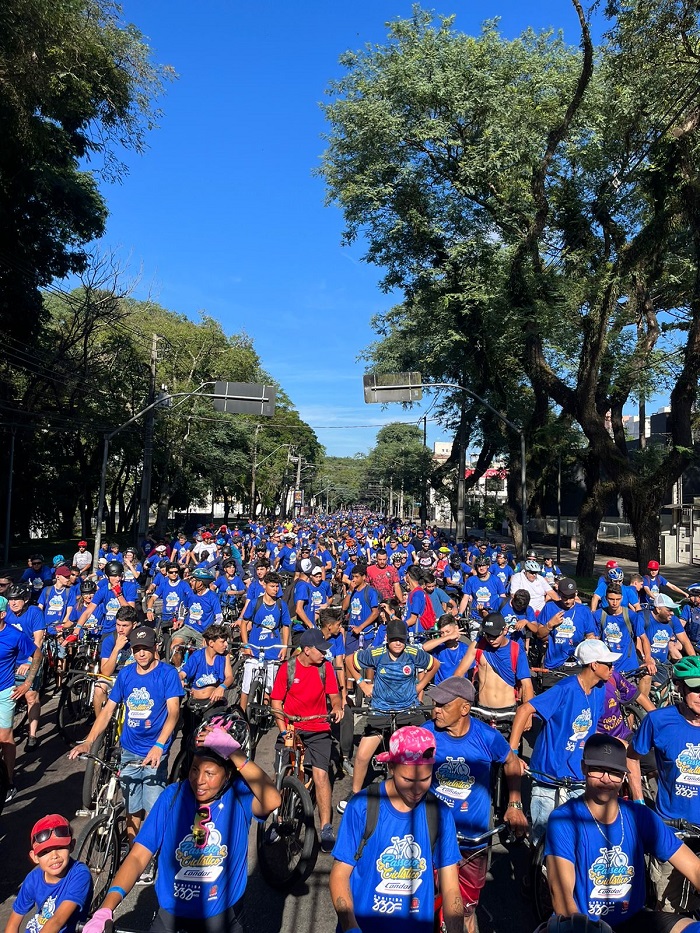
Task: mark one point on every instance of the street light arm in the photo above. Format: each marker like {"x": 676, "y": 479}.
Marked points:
{"x": 159, "y": 401}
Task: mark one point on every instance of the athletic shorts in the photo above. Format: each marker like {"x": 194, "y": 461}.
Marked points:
{"x": 317, "y": 748}
{"x": 38, "y": 678}
{"x": 377, "y": 723}
{"x": 228, "y": 921}
{"x": 187, "y": 633}
{"x": 472, "y": 878}
{"x": 250, "y": 665}
{"x": 7, "y": 708}
{"x": 648, "y": 921}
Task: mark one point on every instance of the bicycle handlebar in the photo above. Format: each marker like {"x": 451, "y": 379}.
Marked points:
{"x": 685, "y": 827}
{"x": 556, "y": 781}
{"x": 472, "y": 841}
{"x": 492, "y": 714}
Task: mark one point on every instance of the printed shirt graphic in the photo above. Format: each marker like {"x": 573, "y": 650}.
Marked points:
{"x": 392, "y": 883}
{"x": 199, "y": 880}
{"x": 614, "y": 632}
{"x": 36, "y": 894}
{"x": 512, "y": 618}
{"x": 462, "y": 773}
{"x": 145, "y": 697}
{"x": 202, "y": 610}
{"x": 266, "y": 627}
{"x": 486, "y": 594}
{"x": 609, "y": 881}
{"x": 199, "y": 673}
{"x": 660, "y": 634}
{"x": 576, "y": 624}
{"x": 570, "y": 716}
{"x": 677, "y": 747}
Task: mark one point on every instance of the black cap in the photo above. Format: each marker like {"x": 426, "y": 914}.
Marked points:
{"x": 144, "y": 635}
{"x": 605, "y": 751}
{"x": 567, "y": 587}
{"x": 312, "y": 638}
{"x": 396, "y": 629}
{"x": 494, "y": 624}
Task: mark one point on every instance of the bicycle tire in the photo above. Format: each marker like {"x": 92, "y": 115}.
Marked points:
{"x": 291, "y": 858}
{"x": 255, "y": 699}
{"x": 75, "y": 713}
{"x": 95, "y": 774}
{"x": 541, "y": 897}
{"x": 99, "y": 846}
{"x": 179, "y": 768}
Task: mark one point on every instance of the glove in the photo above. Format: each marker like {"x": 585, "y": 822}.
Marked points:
{"x": 98, "y": 921}
{"x": 219, "y": 741}
{"x": 117, "y": 590}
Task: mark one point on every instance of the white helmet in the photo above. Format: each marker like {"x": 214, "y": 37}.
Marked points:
{"x": 532, "y": 566}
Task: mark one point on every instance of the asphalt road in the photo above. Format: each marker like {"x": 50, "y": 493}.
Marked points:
{"x": 48, "y": 782}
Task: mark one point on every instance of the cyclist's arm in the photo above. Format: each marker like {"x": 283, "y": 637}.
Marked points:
{"x": 228, "y": 672}
{"x": 528, "y": 691}
{"x": 109, "y": 665}
{"x": 301, "y": 615}
{"x": 634, "y": 778}
{"x": 685, "y": 642}
{"x": 341, "y": 895}
{"x": 595, "y": 602}
{"x": 130, "y": 871}
{"x": 370, "y": 620}
{"x": 452, "y": 904}
{"x": 98, "y": 727}
{"x": 676, "y": 589}
{"x": 87, "y": 612}
{"x": 561, "y": 875}
{"x": 466, "y": 662}
{"x": 688, "y": 864}
{"x": 427, "y": 676}
{"x": 522, "y": 717}
{"x": 279, "y": 720}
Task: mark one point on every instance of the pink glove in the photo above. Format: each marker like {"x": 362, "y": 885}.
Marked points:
{"x": 97, "y": 922}
{"x": 219, "y": 741}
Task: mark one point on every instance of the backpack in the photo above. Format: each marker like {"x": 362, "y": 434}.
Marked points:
{"x": 513, "y": 660}
{"x": 626, "y": 616}
{"x": 258, "y": 604}
{"x": 427, "y": 617}
{"x": 288, "y": 597}
{"x": 292, "y": 668}
{"x": 432, "y": 814}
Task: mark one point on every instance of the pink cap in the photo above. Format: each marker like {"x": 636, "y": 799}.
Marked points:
{"x": 410, "y": 745}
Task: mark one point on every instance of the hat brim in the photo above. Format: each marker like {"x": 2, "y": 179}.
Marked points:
{"x": 692, "y": 681}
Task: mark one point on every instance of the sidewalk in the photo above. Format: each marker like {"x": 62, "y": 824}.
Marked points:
{"x": 680, "y": 574}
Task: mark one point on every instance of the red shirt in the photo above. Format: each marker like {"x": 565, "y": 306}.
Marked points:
{"x": 307, "y": 695}
{"x": 383, "y": 580}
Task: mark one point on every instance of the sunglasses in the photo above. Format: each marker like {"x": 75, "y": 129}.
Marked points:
{"x": 37, "y": 563}
{"x": 200, "y": 829}
{"x": 4, "y": 584}
{"x": 60, "y": 832}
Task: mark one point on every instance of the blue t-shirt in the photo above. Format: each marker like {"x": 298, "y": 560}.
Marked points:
{"x": 125, "y": 656}
{"x": 199, "y": 673}
{"x": 203, "y": 610}
{"x": 362, "y": 604}
{"x": 172, "y": 595}
{"x": 503, "y": 574}
{"x": 462, "y": 773}
{"x": 615, "y": 633}
{"x": 199, "y": 881}
{"x": 394, "y": 678}
{"x": 660, "y": 634}
{"x": 54, "y": 603}
{"x": 609, "y": 861}
{"x": 449, "y": 659}
{"x": 105, "y": 597}
{"x": 392, "y": 883}
{"x": 577, "y": 623}
{"x": 512, "y": 617}
{"x": 255, "y": 589}
{"x": 415, "y": 606}
{"x": 29, "y": 622}
{"x": 319, "y": 596}
{"x": 224, "y": 584}
{"x": 36, "y": 894}
{"x": 691, "y": 615}
{"x": 602, "y": 589}
{"x": 266, "y": 627}
{"x": 145, "y": 697}
{"x": 337, "y": 648}
{"x": 654, "y": 584}
{"x": 37, "y": 579}
{"x": 501, "y": 661}
{"x": 288, "y": 559}
{"x": 570, "y": 716}
{"x": 15, "y": 648}
{"x": 486, "y": 594}
{"x": 677, "y": 747}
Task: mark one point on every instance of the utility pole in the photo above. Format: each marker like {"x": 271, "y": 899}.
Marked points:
{"x": 297, "y": 488}
{"x": 149, "y": 427}
{"x": 255, "y": 467}
{"x": 424, "y": 491}
{"x": 460, "y": 530}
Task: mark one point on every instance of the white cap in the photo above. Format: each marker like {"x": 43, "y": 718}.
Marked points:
{"x": 592, "y": 649}
{"x": 663, "y": 600}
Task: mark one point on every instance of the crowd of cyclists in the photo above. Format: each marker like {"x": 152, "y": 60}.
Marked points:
{"x": 416, "y": 670}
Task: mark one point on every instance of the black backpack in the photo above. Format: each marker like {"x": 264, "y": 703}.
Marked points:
{"x": 432, "y": 815}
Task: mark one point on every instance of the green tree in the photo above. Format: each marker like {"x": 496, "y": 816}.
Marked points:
{"x": 399, "y": 462}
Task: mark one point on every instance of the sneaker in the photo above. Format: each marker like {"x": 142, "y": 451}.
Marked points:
{"x": 148, "y": 874}
{"x": 32, "y": 742}
{"x": 342, "y": 804}
{"x": 327, "y": 838}
{"x": 348, "y": 767}
{"x": 11, "y": 794}
{"x": 271, "y": 835}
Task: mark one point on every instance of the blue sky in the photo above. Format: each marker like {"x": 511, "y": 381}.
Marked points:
{"x": 222, "y": 212}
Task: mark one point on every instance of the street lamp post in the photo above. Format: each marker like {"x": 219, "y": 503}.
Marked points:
{"x": 408, "y": 387}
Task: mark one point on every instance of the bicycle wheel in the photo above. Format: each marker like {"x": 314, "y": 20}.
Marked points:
{"x": 286, "y": 841}
{"x": 99, "y": 846}
{"x": 255, "y": 716}
{"x": 539, "y": 885}
{"x": 235, "y": 688}
{"x": 180, "y": 766}
{"x": 96, "y": 775}
{"x": 75, "y": 712}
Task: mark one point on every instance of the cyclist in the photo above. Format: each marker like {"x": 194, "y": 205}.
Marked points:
{"x": 303, "y": 687}
{"x": 466, "y": 750}
{"x": 172, "y": 592}
{"x": 653, "y": 581}
{"x": 362, "y": 605}
{"x": 82, "y": 559}
{"x": 87, "y": 589}
{"x": 58, "y": 889}
{"x": 301, "y": 601}
{"x": 484, "y": 592}
{"x": 207, "y": 671}
{"x": 29, "y": 620}
{"x": 202, "y": 609}
{"x": 383, "y": 577}
{"x": 520, "y": 617}
{"x": 563, "y": 625}
{"x": 690, "y": 615}
{"x": 501, "y": 568}
{"x": 199, "y": 831}
{"x": 448, "y": 647}
{"x": 37, "y": 575}
{"x": 570, "y": 710}
{"x": 550, "y": 571}
{"x": 112, "y": 594}
{"x": 270, "y": 624}
{"x": 530, "y": 578}
{"x": 286, "y": 561}
{"x": 229, "y": 585}
{"x": 439, "y": 599}
{"x": 150, "y": 690}
{"x": 623, "y": 631}
{"x": 596, "y": 845}
{"x": 382, "y": 875}
{"x": 180, "y": 549}
{"x": 418, "y": 608}
{"x": 401, "y": 672}
{"x": 673, "y": 734}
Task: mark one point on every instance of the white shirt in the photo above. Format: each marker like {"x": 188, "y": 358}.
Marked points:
{"x": 537, "y": 588}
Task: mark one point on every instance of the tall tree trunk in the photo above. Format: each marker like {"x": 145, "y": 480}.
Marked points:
{"x": 164, "y": 499}
{"x": 591, "y": 514}
{"x": 642, "y": 503}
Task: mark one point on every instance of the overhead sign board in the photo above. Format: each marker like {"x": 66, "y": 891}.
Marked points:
{"x": 393, "y": 387}
{"x": 245, "y": 398}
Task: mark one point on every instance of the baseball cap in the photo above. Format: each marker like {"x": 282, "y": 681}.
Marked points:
{"x": 567, "y": 587}
{"x": 312, "y": 638}
{"x": 316, "y": 570}
{"x": 306, "y": 565}
{"x": 611, "y": 564}
{"x": 493, "y": 624}
{"x": 82, "y": 543}
{"x": 663, "y": 600}
{"x": 410, "y": 745}
{"x": 161, "y": 548}
{"x": 63, "y": 571}
{"x": 143, "y": 635}
{"x": 605, "y": 751}
{"x": 451, "y": 688}
{"x": 592, "y": 649}
{"x": 396, "y": 629}
{"x": 45, "y": 828}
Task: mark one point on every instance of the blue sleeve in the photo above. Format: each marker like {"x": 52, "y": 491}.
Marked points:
{"x": 285, "y": 618}
{"x": 601, "y": 589}
{"x": 26, "y": 897}
{"x": 423, "y": 660}
{"x": 79, "y": 887}
{"x": 643, "y": 740}
{"x": 364, "y": 658}
{"x": 351, "y": 828}
{"x": 446, "y": 849}
{"x": 547, "y": 703}
{"x": 522, "y": 668}
{"x": 676, "y": 626}
{"x": 152, "y": 831}
{"x": 189, "y": 668}
{"x": 172, "y": 683}
{"x": 560, "y": 839}
{"x": 589, "y": 626}
{"x": 500, "y": 749}
{"x": 373, "y": 598}
{"x": 637, "y": 623}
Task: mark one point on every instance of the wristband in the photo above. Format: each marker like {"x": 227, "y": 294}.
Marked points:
{"x": 515, "y": 751}
{"x": 115, "y": 887}
{"x": 641, "y": 800}
{"x": 246, "y": 762}
{"x": 159, "y": 745}
{"x": 515, "y": 804}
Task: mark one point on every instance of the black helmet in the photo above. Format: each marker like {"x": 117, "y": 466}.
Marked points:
{"x": 232, "y": 721}
{"x": 576, "y": 923}
{"x": 114, "y": 568}
{"x": 19, "y": 591}
{"x": 87, "y": 587}
{"x": 455, "y": 560}
{"x": 482, "y": 562}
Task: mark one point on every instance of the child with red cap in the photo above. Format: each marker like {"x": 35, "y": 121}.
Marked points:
{"x": 59, "y": 889}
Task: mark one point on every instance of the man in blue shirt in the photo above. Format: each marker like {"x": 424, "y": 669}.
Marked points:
{"x": 564, "y": 624}
{"x": 112, "y": 595}
{"x": 483, "y": 593}
{"x": 622, "y": 630}
{"x": 37, "y": 575}
{"x": 202, "y": 608}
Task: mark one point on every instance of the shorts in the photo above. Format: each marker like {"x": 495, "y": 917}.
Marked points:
{"x": 378, "y": 723}
{"x": 543, "y": 799}
{"x": 187, "y": 633}
{"x": 648, "y": 921}
{"x": 251, "y": 665}
{"x": 228, "y": 921}
{"x": 7, "y": 708}
{"x": 355, "y": 643}
{"x": 472, "y": 878}
{"x": 674, "y": 893}
{"x": 141, "y": 786}
{"x": 317, "y": 748}
{"x": 38, "y": 678}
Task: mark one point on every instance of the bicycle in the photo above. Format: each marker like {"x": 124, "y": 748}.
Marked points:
{"x": 501, "y": 721}
{"x": 200, "y": 711}
{"x": 260, "y": 715}
{"x": 103, "y": 842}
{"x": 287, "y": 843}
{"x": 76, "y": 711}
{"x": 104, "y": 748}
{"x": 379, "y": 769}
{"x": 470, "y": 847}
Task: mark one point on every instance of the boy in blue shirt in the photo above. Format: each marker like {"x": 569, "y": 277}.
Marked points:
{"x": 59, "y": 889}
{"x": 448, "y": 647}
